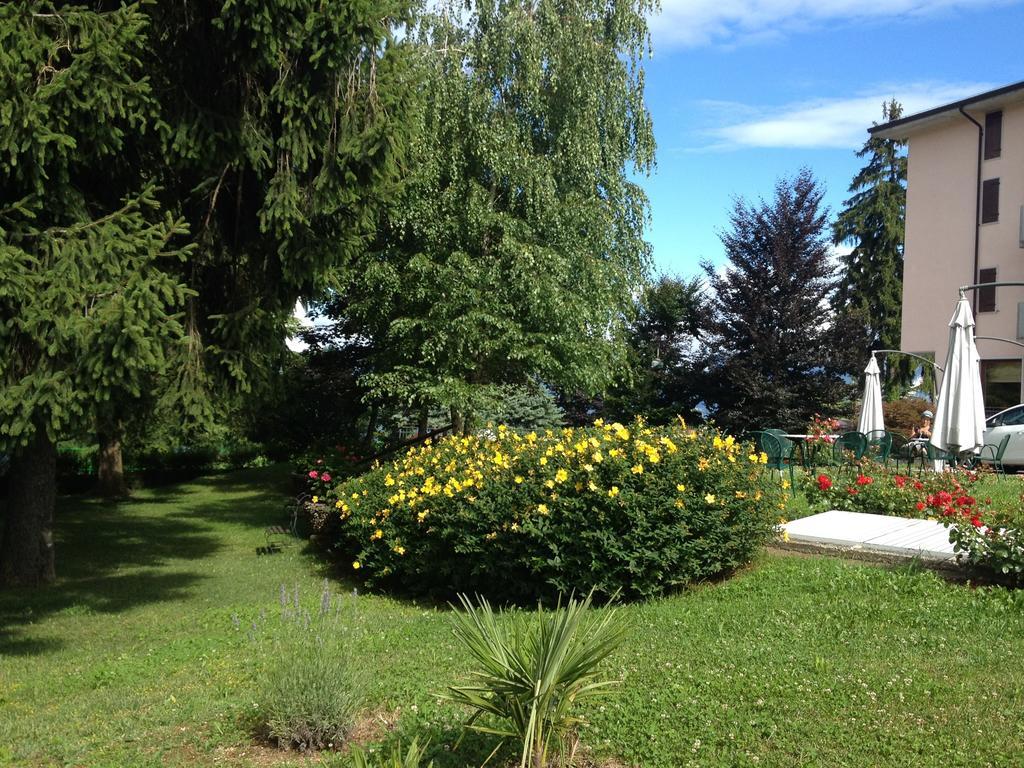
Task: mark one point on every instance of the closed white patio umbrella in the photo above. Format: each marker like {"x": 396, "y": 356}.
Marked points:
{"x": 960, "y": 410}
{"x": 871, "y": 417}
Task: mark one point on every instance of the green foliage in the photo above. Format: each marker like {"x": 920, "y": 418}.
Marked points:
{"x": 534, "y": 671}
{"x": 991, "y": 541}
{"x": 525, "y": 407}
{"x": 518, "y": 241}
{"x": 638, "y": 510}
{"x": 411, "y": 757}
{"x": 314, "y": 685}
{"x": 665, "y": 367}
{"x": 871, "y": 289}
{"x": 778, "y": 352}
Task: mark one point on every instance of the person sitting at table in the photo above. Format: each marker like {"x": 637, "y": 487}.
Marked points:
{"x": 924, "y": 432}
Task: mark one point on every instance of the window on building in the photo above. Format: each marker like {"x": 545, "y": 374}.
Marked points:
{"x": 993, "y": 134}
{"x": 989, "y": 201}
{"x": 1020, "y": 320}
{"x": 1000, "y": 380}
{"x": 987, "y": 296}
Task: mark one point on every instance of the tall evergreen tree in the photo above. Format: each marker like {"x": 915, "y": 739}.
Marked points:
{"x": 518, "y": 243}
{"x": 272, "y": 131}
{"x": 777, "y": 350}
{"x": 870, "y": 291}
{"x": 665, "y": 376}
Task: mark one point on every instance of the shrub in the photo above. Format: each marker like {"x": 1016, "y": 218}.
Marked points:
{"x": 635, "y": 509}
{"x": 904, "y": 415}
{"x": 880, "y": 491}
{"x": 315, "y": 685}
{"x": 534, "y": 669}
{"x": 992, "y": 542}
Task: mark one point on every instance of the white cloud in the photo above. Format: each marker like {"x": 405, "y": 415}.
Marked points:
{"x": 692, "y": 23}
{"x": 294, "y": 343}
{"x": 825, "y": 123}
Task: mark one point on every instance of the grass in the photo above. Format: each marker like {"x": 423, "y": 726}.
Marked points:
{"x": 133, "y": 659}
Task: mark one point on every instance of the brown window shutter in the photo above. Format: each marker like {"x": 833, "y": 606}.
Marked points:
{"x": 987, "y": 296}
{"x": 993, "y": 134}
{"x": 989, "y": 201}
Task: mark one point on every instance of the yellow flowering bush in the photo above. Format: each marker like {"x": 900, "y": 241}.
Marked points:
{"x": 615, "y": 507}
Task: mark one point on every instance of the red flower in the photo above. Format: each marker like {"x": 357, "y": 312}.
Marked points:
{"x": 976, "y": 522}
{"x": 900, "y": 481}
{"x": 325, "y": 477}
{"x": 944, "y": 497}
{"x": 824, "y": 483}
{"x": 920, "y": 506}
{"x": 918, "y": 485}
{"x": 864, "y": 480}
{"x": 314, "y": 474}
{"x": 852, "y": 491}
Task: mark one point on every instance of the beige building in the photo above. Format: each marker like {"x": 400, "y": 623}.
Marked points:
{"x": 965, "y": 225}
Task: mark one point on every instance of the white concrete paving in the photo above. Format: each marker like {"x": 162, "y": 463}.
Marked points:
{"x": 859, "y": 532}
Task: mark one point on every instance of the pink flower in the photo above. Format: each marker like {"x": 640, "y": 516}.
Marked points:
{"x": 314, "y": 474}
{"x": 325, "y": 477}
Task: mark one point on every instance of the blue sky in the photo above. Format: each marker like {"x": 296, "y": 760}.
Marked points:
{"x": 743, "y": 92}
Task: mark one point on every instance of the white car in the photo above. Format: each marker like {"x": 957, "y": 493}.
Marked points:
{"x": 1009, "y": 422}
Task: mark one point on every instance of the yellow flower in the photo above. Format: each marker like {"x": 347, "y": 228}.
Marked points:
{"x": 785, "y": 535}
{"x": 549, "y": 483}
{"x": 356, "y": 565}
{"x": 614, "y": 453}
{"x": 613, "y": 491}
{"x": 621, "y": 432}
{"x": 763, "y": 457}
{"x": 316, "y": 499}
{"x": 542, "y": 508}
{"x": 543, "y": 460}
{"x": 592, "y": 487}
{"x": 561, "y": 476}
{"x": 597, "y": 457}
{"x": 752, "y": 458}
{"x": 703, "y": 464}
{"x": 785, "y": 484}
{"x": 399, "y": 549}
{"x": 378, "y": 534}
{"x": 709, "y": 498}
{"x": 588, "y": 467}
{"x": 338, "y": 504}
{"x": 638, "y": 469}
{"x": 740, "y": 495}
{"x": 389, "y": 480}
{"x": 421, "y": 516}
{"x": 599, "y": 423}
{"x": 518, "y": 479}
{"x": 680, "y": 487}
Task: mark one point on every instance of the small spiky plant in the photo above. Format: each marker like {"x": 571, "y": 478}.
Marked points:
{"x": 533, "y": 670}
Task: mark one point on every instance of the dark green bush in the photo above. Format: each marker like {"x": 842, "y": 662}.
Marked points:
{"x": 637, "y": 510}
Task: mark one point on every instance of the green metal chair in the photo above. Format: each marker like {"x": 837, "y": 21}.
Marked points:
{"x": 778, "y": 449}
{"x": 848, "y": 449}
{"x": 902, "y": 450}
{"x": 993, "y": 454}
{"x": 939, "y": 454}
{"x": 879, "y": 445}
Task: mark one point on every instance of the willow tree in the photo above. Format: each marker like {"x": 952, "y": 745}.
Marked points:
{"x": 872, "y": 222}
{"x": 174, "y": 176}
{"x": 517, "y": 245}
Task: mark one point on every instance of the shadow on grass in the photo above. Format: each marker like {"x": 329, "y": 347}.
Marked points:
{"x": 112, "y": 557}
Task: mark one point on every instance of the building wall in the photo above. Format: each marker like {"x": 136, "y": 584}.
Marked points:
{"x": 941, "y": 215}
{"x": 939, "y": 250}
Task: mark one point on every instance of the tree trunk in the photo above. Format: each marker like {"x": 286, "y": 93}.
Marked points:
{"x": 458, "y": 422}
{"x": 26, "y": 552}
{"x": 424, "y": 422}
{"x": 371, "y": 427}
{"x": 110, "y": 467}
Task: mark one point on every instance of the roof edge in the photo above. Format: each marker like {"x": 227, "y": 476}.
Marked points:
{"x": 955, "y": 106}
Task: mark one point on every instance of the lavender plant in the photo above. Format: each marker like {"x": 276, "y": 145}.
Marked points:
{"x": 313, "y": 687}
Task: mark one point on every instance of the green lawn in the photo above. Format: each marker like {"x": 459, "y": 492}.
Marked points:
{"x": 133, "y": 659}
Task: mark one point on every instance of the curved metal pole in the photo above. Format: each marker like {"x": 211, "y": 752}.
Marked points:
{"x": 976, "y": 286}
{"x": 911, "y": 354}
{"x": 1000, "y": 338}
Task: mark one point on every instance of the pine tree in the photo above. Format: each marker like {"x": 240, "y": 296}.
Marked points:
{"x": 88, "y": 295}
{"x": 665, "y": 373}
{"x": 777, "y": 350}
{"x": 870, "y": 292}
{"x": 173, "y": 176}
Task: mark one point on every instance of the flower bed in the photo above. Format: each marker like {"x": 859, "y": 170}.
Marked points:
{"x": 633, "y": 509}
